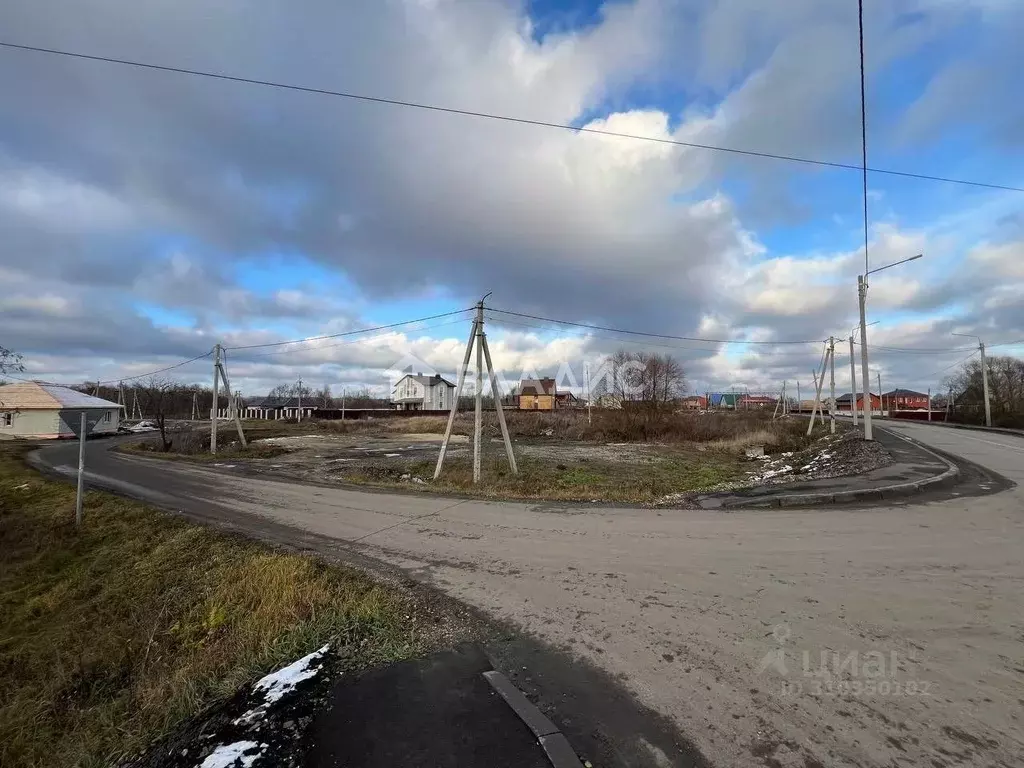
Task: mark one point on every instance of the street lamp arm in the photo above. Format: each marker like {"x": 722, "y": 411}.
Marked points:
{"x": 894, "y": 264}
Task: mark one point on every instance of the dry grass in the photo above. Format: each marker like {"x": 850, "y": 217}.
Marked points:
{"x": 115, "y": 633}
{"x": 670, "y": 472}
{"x": 725, "y": 430}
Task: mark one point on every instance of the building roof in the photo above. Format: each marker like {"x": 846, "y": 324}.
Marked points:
{"x": 848, "y": 397}
{"x": 425, "y": 380}
{"x": 904, "y": 393}
{"x": 538, "y": 387}
{"x": 35, "y": 395}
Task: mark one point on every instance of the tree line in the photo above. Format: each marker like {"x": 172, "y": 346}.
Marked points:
{"x": 1005, "y": 386}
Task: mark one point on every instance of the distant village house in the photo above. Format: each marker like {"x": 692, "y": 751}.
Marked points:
{"x": 422, "y": 393}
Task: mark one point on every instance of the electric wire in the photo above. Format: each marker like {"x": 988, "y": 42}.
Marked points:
{"x": 647, "y": 334}
{"x": 498, "y": 117}
{"x": 350, "y": 333}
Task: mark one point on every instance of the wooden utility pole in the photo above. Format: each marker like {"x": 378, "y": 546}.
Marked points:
{"x": 195, "y": 406}
{"x": 832, "y": 384}
{"x": 881, "y": 400}
{"x": 300, "y": 400}
{"x": 478, "y": 338}
{"x": 929, "y": 403}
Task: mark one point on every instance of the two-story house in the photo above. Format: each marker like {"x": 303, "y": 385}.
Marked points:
{"x": 422, "y": 393}
{"x": 538, "y": 395}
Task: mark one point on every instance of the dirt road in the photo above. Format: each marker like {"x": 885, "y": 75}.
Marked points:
{"x": 836, "y": 637}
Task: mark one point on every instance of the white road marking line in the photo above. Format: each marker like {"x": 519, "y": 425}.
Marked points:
{"x": 993, "y": 442}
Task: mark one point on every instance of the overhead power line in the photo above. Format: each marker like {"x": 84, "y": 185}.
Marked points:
{"x": 503, "y": 118}
{"x": 646, "y": 334}
{"x": 953, "y": 365}
{"x": 153, "y": 373}
{"x": 916, "y": 350}
{"x": 345, "y": 343}
{"x": 350, "y": 333}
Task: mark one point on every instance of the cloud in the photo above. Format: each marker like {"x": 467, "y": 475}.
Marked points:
{"x": 124, "y": 192}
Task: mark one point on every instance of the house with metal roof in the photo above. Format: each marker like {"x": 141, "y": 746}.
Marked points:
{"x": 37, "y": 410}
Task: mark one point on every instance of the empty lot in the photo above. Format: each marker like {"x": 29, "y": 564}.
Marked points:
{"x": 692, "y": 610}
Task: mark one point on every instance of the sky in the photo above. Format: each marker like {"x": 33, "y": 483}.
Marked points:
{"x": 147, "y": 215}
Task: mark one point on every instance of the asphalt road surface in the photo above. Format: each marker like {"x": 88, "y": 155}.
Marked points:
{"x": 882, "y": 636}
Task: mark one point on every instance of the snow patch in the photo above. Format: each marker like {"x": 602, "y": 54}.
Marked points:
{"x": 277, "y": 684}
{"x": 391, "y": 455}
{"x": 228, "y": 755}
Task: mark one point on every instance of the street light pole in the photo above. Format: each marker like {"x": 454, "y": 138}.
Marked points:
{"x": 862, "y": 294}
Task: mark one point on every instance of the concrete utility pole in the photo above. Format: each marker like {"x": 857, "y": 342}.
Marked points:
{"x": 832, "y": 398}
{"x": 929, "y": 403}
{"x": 862, "y": 293}
{"x": 881, "y": 400}
{"x": 478, "y": 338}
{"x": 478, "y": 417}
{"x": 81, "y": 469}
{"x": 300, "y": 400}
{"x": 195, "y": 406}
{"x": 343, "y": 403}
{"x": 586, "y": 373}
{"x": 853, "y": 384}
{"x": 984, "y": 377}
{"x": 818, "y": 384}
{"x": 213, "y": 407}
{"x": 984, "y": 384}
{"x": 799, "y": 401}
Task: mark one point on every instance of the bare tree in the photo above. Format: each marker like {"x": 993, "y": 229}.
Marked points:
{"x": 324, "y": 398}
{"x": 650, "y": 380}
{"x": 156, "y": 395}
{"x": 10, "y": 361}
{"x": 282, "y": 391}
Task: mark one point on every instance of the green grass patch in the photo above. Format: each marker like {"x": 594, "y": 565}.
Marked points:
{"x": 115, "y": 633}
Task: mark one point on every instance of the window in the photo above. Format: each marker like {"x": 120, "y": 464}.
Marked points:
{"x": 106, "y": 417}
{"x": 7, "y": 419}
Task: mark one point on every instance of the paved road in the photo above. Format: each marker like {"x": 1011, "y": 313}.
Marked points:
{"x": 717, "y": 620}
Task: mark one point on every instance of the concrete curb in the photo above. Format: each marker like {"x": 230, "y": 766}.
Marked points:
{"x": 555, "y": 745}
{"x": 898, "y": 490}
